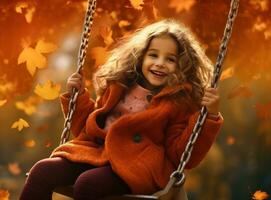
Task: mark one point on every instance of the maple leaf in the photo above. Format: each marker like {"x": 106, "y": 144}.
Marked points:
{"x": 29, "y": 105}
{"x": 179, "y": 6}
{"x": 14, "y": 168}
{"x": 3, "y": 102}
{"x": 30, "y": 143}
{"x": 29, "y": 11}
{"x": 4, "y": 194}
{"x": 137, "y": 4}
{"x": 44, "y": 47}
{"x": 240, "y": 91}
{"x": 99, "y": 54}
{"x": 48, "y": 91}
{"x": 34, "y": 58}
{"x": 106, "y": 33}
{"x": 228, "y": 73}
{"x": 20, "y": 124}
{"x": 260, "y": 195}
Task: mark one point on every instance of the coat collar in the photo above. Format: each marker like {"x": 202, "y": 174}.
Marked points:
{"x": 118, "y": 89}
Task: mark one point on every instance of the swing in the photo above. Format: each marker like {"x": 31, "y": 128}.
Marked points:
{"x": 174, "y": 188}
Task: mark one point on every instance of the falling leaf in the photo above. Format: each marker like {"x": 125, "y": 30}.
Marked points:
{"x": 20, "y": 6}
{"x": 48, "y": 91}
{"x": 45, "y": 47}
{"x": 4, "y": 194}
{"x": 124, "y": 23}
{"x": 99, "y": 54}
{"x": 228, "y": 73}
{"x": 29, "y": 106}
{"x": 2, "y": 102}
{"x": 137, "y": 4}
{"x": 259, "y": 25}
{"x": 30, "y": 143}
{"x": 106, "y": 33}
{"x": 29, "y": 14}
{"x": 260, "y": 195}
{"x": 20, "y": 124}
{"x": 180, "y": 6}
{"x": 260, "y": 4}
{"x": 14, "y": 168}
{"x": 33, "y": 59}
{"x": 240, "y": 91}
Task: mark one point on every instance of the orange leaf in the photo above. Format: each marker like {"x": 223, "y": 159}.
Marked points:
{"x": 3, "y": 102}
{"x": 20, "y": 124}
{"x": 4, "y": 194}
{"x": 230, "y": 140}
{"x": 137, "y": 4}
{"x": 48, "y": 91}
{"x": 99, "y": 54}
{"x": 106, "y": 33}
{"x": 240, "y": 91}
{"x": 260, "y": 195}
{"x": 228, "y": 73}
{"x": 29, "y": 106}
{"x": 48, "y": 143}
{"x": 180, "y": 6}
{"x": 14, "y": 168}
{"x": 34, "y": 58}
{"x": 30, "y": 143}
{"x": 45, "y": 47}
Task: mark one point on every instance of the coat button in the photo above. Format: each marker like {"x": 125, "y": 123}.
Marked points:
{"x": 137, "y": 138}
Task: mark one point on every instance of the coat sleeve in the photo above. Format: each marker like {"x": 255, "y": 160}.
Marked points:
{"x": 84, "y": 106}
{"x": 178, "y": 134}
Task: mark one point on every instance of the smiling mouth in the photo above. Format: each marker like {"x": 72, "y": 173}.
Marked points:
{"x": 158, "y": 73}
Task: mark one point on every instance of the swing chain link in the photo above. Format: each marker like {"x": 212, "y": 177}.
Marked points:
{"x": 81, "y": 59}
{"x": 179, "y": 173}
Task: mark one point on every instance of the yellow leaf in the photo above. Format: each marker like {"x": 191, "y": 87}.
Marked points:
{"x": 179, "y": 6}
{"x": 99, "y": 54}
{"x": 29, "y": 105}
{"x": 4, "y": 194}
{"x": 228, "y": 73}
{"x": 123, "y": 23}
{"x": 20, "y": 124}
{"x": 48, "y": 91}
{"x": 45, "y": 47}
{"x": 19, "y": 7}
{"x": 2, "y": 102}
{"x": 137, "y": 4}
{"x": 260, "y": 195}
{"x": 14, "y": 168}
{"x": 29, "y": 14}
{"x": 33, "y": 59}
{"x": 106, "y": 33}
{"x": 30, "y": 143}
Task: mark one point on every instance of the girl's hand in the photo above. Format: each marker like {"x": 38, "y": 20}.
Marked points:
{"x": 76, "y": 80}
{"x": 211, "y": 100}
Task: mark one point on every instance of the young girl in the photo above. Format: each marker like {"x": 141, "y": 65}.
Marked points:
{"x": 131, "y": 138}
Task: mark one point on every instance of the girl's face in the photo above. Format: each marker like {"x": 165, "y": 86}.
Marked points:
{"x": 159, "y": 61}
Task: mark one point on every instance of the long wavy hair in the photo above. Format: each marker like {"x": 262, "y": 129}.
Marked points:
{"x": 124, "y": 63}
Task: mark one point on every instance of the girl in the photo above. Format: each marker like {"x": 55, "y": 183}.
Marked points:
{"x": 131, "y": 138}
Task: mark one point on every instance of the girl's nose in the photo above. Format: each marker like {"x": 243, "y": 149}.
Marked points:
{"x": 160, "y": 62}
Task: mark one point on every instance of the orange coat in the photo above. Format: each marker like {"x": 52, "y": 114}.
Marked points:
{"x": 143, "y": 148}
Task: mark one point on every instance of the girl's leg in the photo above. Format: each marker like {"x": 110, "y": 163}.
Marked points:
{"x": 49, "y": 173}
{"x": 97, "y": 183}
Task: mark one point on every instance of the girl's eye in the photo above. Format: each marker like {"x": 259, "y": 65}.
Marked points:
{"x": 171, "y": 60}
{"x": 153, "y": 55}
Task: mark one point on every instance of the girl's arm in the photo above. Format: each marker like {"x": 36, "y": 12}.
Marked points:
{"x": 179, "y": 132}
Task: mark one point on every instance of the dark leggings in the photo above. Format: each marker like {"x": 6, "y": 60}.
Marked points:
{"x": 90, "y": 183}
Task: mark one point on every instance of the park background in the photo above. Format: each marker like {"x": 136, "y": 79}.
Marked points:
{"x": 39, "y": 43}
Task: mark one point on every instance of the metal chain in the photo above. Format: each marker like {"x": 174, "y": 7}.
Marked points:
{"x": 81, "y": 59}
{"x": 178, "y": 174}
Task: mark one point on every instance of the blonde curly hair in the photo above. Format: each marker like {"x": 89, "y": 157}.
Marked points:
{"x": 124, "y": 62}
